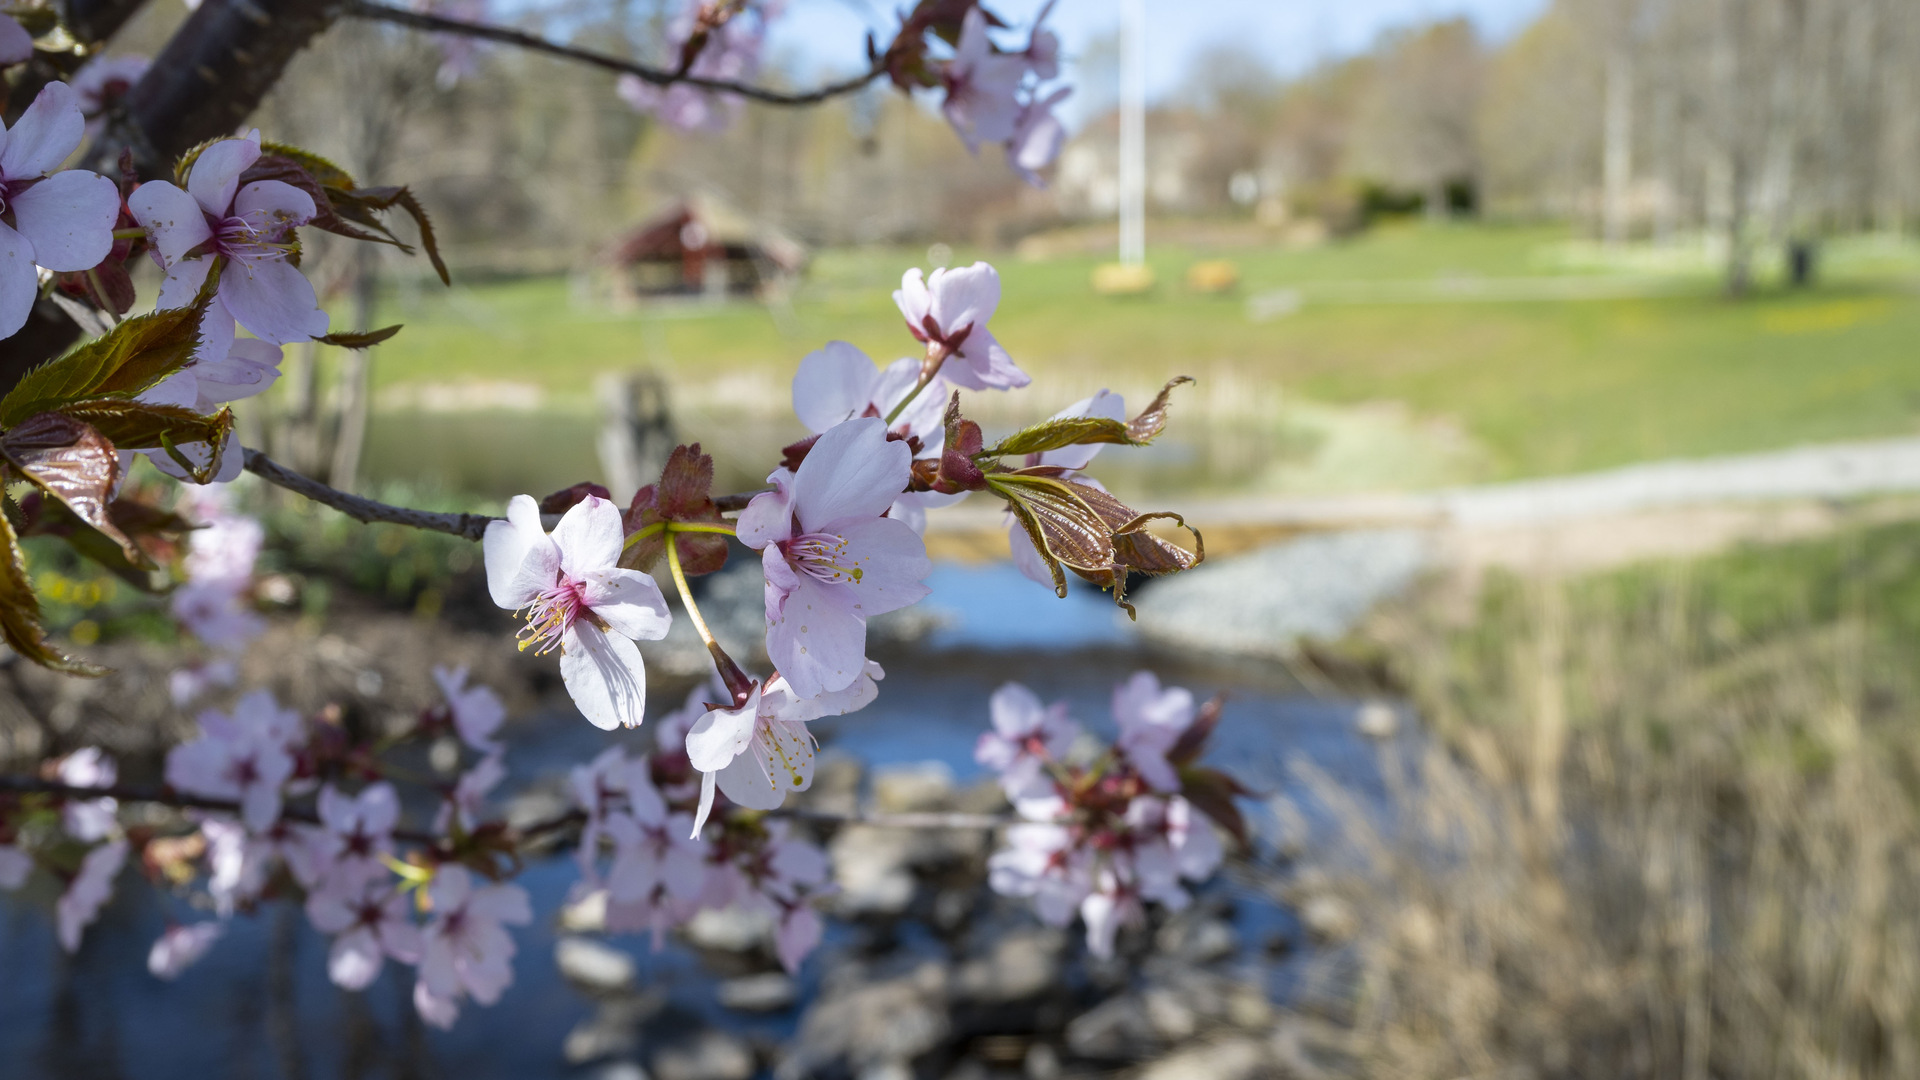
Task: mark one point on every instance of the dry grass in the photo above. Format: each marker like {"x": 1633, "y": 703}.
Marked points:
{"x": 1646, "y": 836}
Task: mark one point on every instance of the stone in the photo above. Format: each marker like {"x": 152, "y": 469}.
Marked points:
{"x": 871, "y": 866}
{"x": 1043, "y": 1062}
{"x": 1021, "y": 964}
{"x": 1329, "y": 918}
{"x": 730, "y": 929}
{"x": 621, "y": 1070}
{"x": 1228, "y": 1059}
{"x": 708, "y": 1055}
{"x": 769, "y": 992}
{"x": 1198, "y": 941}
{"x": 870, "y": 1022}
{"x": 593, "y": 965}
{"x": 612, "y": 1030}
{"x": 1376, "y": 720}
{"x": 926, "y": 785}
{"x": 1117, "y": 1029}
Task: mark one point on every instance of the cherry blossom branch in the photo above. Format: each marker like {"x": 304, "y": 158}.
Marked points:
{"x": 166, "y": 796}
{"x": 466, "y": 526}
{"x": 370, "y": 511}
{"x": 420, "y": 20}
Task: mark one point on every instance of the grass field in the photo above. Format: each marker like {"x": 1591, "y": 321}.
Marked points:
{"x": 1538, "y": 386}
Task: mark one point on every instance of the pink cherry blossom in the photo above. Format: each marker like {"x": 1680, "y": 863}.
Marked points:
{"x": 1041, "y": 861}
{"x": 477, "y": 711}
{"x": 222, "y": 371}
{"x": 1151, "y": 720}
{"x": 60, "y": 220}
{"x": 598, "y": 788}
{"x": 181, "y": 947}
{"x": 796, "y": 935}
{"x": 186, "y": 683}
{"x": 579, "y": 601}
{"x": 467, "y": 801}
{"x": 837, "y": 382}
{"x": 15, "y": 865}
{"x": 358, "y": 832}
{"x": 1043, "y": 46}
{"x": 251, "y": 227}
{"x": 239, "y": 863}
{"x": 370, "y": 923}
{"x": 652, "y": 852}
{"x": 466, "y": 950}
{"x": 1038, "y": 136}
{"x": 16, "y": 45}
{"x": 88, "y": 820}
{"x": 244, "y": 756}
{"x": 103, "y": 82}
{"x": 949, "y": 310}
{"x": 732, "y": 54}
{"x": 760, "y": 751}
{"x": 982, "y": 86}
{"x": 1114, "y": 902}
{"x": 88, "y": 892}
{"x": 1104, "y": 404}
{"x": 1027, "y": 735}
{"x": 831, "y": 560}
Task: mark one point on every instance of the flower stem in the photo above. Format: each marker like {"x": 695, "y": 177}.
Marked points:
{"x": 735, "y": 679}
{"x": 129, "y": 233}
{"x": 659, "y": 527}
{"x": 936, "y": 359}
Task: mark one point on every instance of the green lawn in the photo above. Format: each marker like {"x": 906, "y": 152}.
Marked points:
{"x": 1539, "y": 387}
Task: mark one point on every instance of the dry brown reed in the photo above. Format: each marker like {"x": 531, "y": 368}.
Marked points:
{"x": 1636, "y": 839}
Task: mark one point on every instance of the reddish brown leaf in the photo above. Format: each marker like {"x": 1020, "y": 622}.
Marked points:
{"x": 70, "y": 461}
{"x": 682, "y": 495}
{"x": 566, "y": 498}
{"x": 1153, "y": 418}
{"x": 1212, "y": 793}
{"x": 1193, "y": 741}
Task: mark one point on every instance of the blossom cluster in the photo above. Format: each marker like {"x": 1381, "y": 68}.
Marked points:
{"x": 1003, "y": 96}
{"x": 1104, "y": 831}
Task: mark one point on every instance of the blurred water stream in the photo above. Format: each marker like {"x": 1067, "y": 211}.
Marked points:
{"x": 260, "y": 1004}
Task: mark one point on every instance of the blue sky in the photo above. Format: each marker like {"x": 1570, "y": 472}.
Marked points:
{"x": 829, "y": 34}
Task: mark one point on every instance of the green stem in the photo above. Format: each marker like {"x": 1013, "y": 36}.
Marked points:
{"x": 659, "y": 527}
{"x": 686, "y": 594}
{"x": 937, "y": 357}
{"x": 129, "y": 234}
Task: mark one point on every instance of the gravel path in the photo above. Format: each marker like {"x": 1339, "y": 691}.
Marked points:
{"x": 1321, "y": 585}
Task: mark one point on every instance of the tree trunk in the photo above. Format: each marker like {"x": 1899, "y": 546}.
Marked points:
{"x": 1617, "y": 148}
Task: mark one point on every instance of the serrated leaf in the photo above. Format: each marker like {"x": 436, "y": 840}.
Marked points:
{"x": 137, "y": 425}
{"x": 132, "y": 357}
{"x": 1212, "y": 793}
{"x": 1089, "y": 430}
{"x": 348, "y": 339}
{"x": 20, "y": 612}
{"x": 342, "y": 206}
{"x": 683, "y": 494}
{"x": 47, "y": 517}
{"x": 1064, "y": 529}
{"x": 70, "y": 461}
{"x": 1153, "y": 419}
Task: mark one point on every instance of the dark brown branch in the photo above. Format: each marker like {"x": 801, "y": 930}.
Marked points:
{"x": 167, "y": 796}
{"x": 466, "y": 526}
{"x": 369, "y": 511}
{"x": 369, "y": 9}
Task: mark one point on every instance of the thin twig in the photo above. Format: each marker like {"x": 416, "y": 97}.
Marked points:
{"x": 359, "y": 508}
{"x": 166, "y": 796}
{"x": 419, "y": 20}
